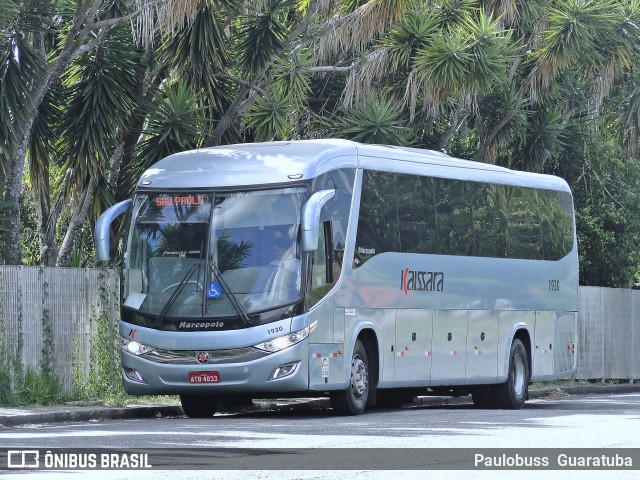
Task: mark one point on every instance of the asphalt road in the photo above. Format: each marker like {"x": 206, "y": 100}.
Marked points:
{"x": 315, "y": 444}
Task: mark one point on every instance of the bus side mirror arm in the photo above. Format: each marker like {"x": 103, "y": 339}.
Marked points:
{"x": 101, "y": 235}
{"x": 311, "y": 219}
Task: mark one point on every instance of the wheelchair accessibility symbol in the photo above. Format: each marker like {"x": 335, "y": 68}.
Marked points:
{"x": 214, "y": 290}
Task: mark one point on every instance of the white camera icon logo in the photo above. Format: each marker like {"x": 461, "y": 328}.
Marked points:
{"x": 23, "y": 459}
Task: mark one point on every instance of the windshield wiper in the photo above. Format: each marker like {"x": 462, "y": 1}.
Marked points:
{"x": 232, "y": 297}
{"x": 176, "y": 293}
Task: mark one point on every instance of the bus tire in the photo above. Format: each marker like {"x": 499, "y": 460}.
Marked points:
{"x": 353, "y": 400}
{"x": 512, "y": 394}
{"x": 199, "y": 406}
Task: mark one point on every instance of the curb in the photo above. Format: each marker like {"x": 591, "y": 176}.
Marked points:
{"x": 84, "y": 414}
{"x": 11, "y": 417}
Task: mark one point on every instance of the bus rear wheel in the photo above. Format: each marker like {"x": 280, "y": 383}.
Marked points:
{"x": 512, "y": 394}
{"x": 353, "y": 400}
{"x": 199, "y": 406}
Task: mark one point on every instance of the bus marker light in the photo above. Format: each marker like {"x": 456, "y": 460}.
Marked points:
{"x": 340, "y": 351}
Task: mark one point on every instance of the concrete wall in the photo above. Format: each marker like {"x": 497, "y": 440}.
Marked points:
{"x": 608, "y": 333}
{"x": 49, "y": 315}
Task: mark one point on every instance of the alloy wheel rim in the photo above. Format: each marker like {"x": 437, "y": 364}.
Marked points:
{"x": 358, "y": 376}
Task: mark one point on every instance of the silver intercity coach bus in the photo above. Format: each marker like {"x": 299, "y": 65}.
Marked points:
{"x": 367, "y": 273}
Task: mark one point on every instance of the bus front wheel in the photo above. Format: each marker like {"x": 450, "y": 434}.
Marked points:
{"x": 353, "y": 400}
{"x": 199, "y": 406}
{"x": 512, "y": 394}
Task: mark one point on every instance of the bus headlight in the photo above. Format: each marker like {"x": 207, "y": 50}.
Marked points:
{"x": 133, "y": 347}
{"x": 286, "y": 341}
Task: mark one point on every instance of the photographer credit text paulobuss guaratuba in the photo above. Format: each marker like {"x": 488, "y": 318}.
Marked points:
{"x": 366, "y": 273}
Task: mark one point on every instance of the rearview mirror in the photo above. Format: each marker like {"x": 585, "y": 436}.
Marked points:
{"x": 101, "y": 235}
{"x": 311, "y": 219}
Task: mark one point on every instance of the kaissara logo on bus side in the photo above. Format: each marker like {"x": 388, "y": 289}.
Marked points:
{"x": 420, "y": 280}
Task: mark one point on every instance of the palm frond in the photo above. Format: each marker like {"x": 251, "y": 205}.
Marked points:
{"x": 290, "y": 71}
{"x": 8, "y": 12}
{"x": 262, "y": 34}
{"x": 354, "y": 31}
{"x": 170, "y": 16}
{"x": 369, "y": 67}
{"x": 176, "y": 124}
{"x": 199, "y": 52}
{"x": 44, "y": 144}
{"x": 491, "y": 48}
{"x": 100, "y": 101}
{"x": 577, "y": 29}
{"x": 269, "y": 116}
{"x": 20, "y": 69}
{"x": 405, "y": 39}
{"x": 445, "y": 63}
{"x": 378, "y": 120}
{"x": 545, "y": 137}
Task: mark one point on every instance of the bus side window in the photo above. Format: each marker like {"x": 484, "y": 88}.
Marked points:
{"x": 321, "y": 270}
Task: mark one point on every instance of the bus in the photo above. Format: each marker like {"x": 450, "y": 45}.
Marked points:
{"x": 368, "y": 274}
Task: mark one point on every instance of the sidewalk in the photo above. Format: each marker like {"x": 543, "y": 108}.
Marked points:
{"x": 11, "y": 417}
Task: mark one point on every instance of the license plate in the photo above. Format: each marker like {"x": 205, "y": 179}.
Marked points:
{"x": 204, "y": 377}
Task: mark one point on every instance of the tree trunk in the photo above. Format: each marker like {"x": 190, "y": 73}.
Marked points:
{"x": 75, "y": 224}
{"x": 448, "y": 133}
{"x": 47, "y": 227}
{"x": 12, "y": 254}
{"x": 231, "y": 115}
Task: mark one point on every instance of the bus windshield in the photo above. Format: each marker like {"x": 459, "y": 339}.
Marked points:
{"x": 214, "y": 254}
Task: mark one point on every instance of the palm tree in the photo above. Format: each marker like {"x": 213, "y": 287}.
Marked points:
{"x": 281, "y": 44}
{"x": 42, "y": 41}
{"x": 499, "y": 80}
{"x": 94, "y": 98}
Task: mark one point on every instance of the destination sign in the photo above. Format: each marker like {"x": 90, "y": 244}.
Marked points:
{"x": 185, "y": 200}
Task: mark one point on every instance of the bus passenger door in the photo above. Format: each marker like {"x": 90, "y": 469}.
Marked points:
{"x": 449, "y": 347}
{"x": 413, "y": 346}
{"x": 482, "y": 347}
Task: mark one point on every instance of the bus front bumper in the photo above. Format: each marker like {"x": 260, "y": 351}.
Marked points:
{"x": 283, "y": 371}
